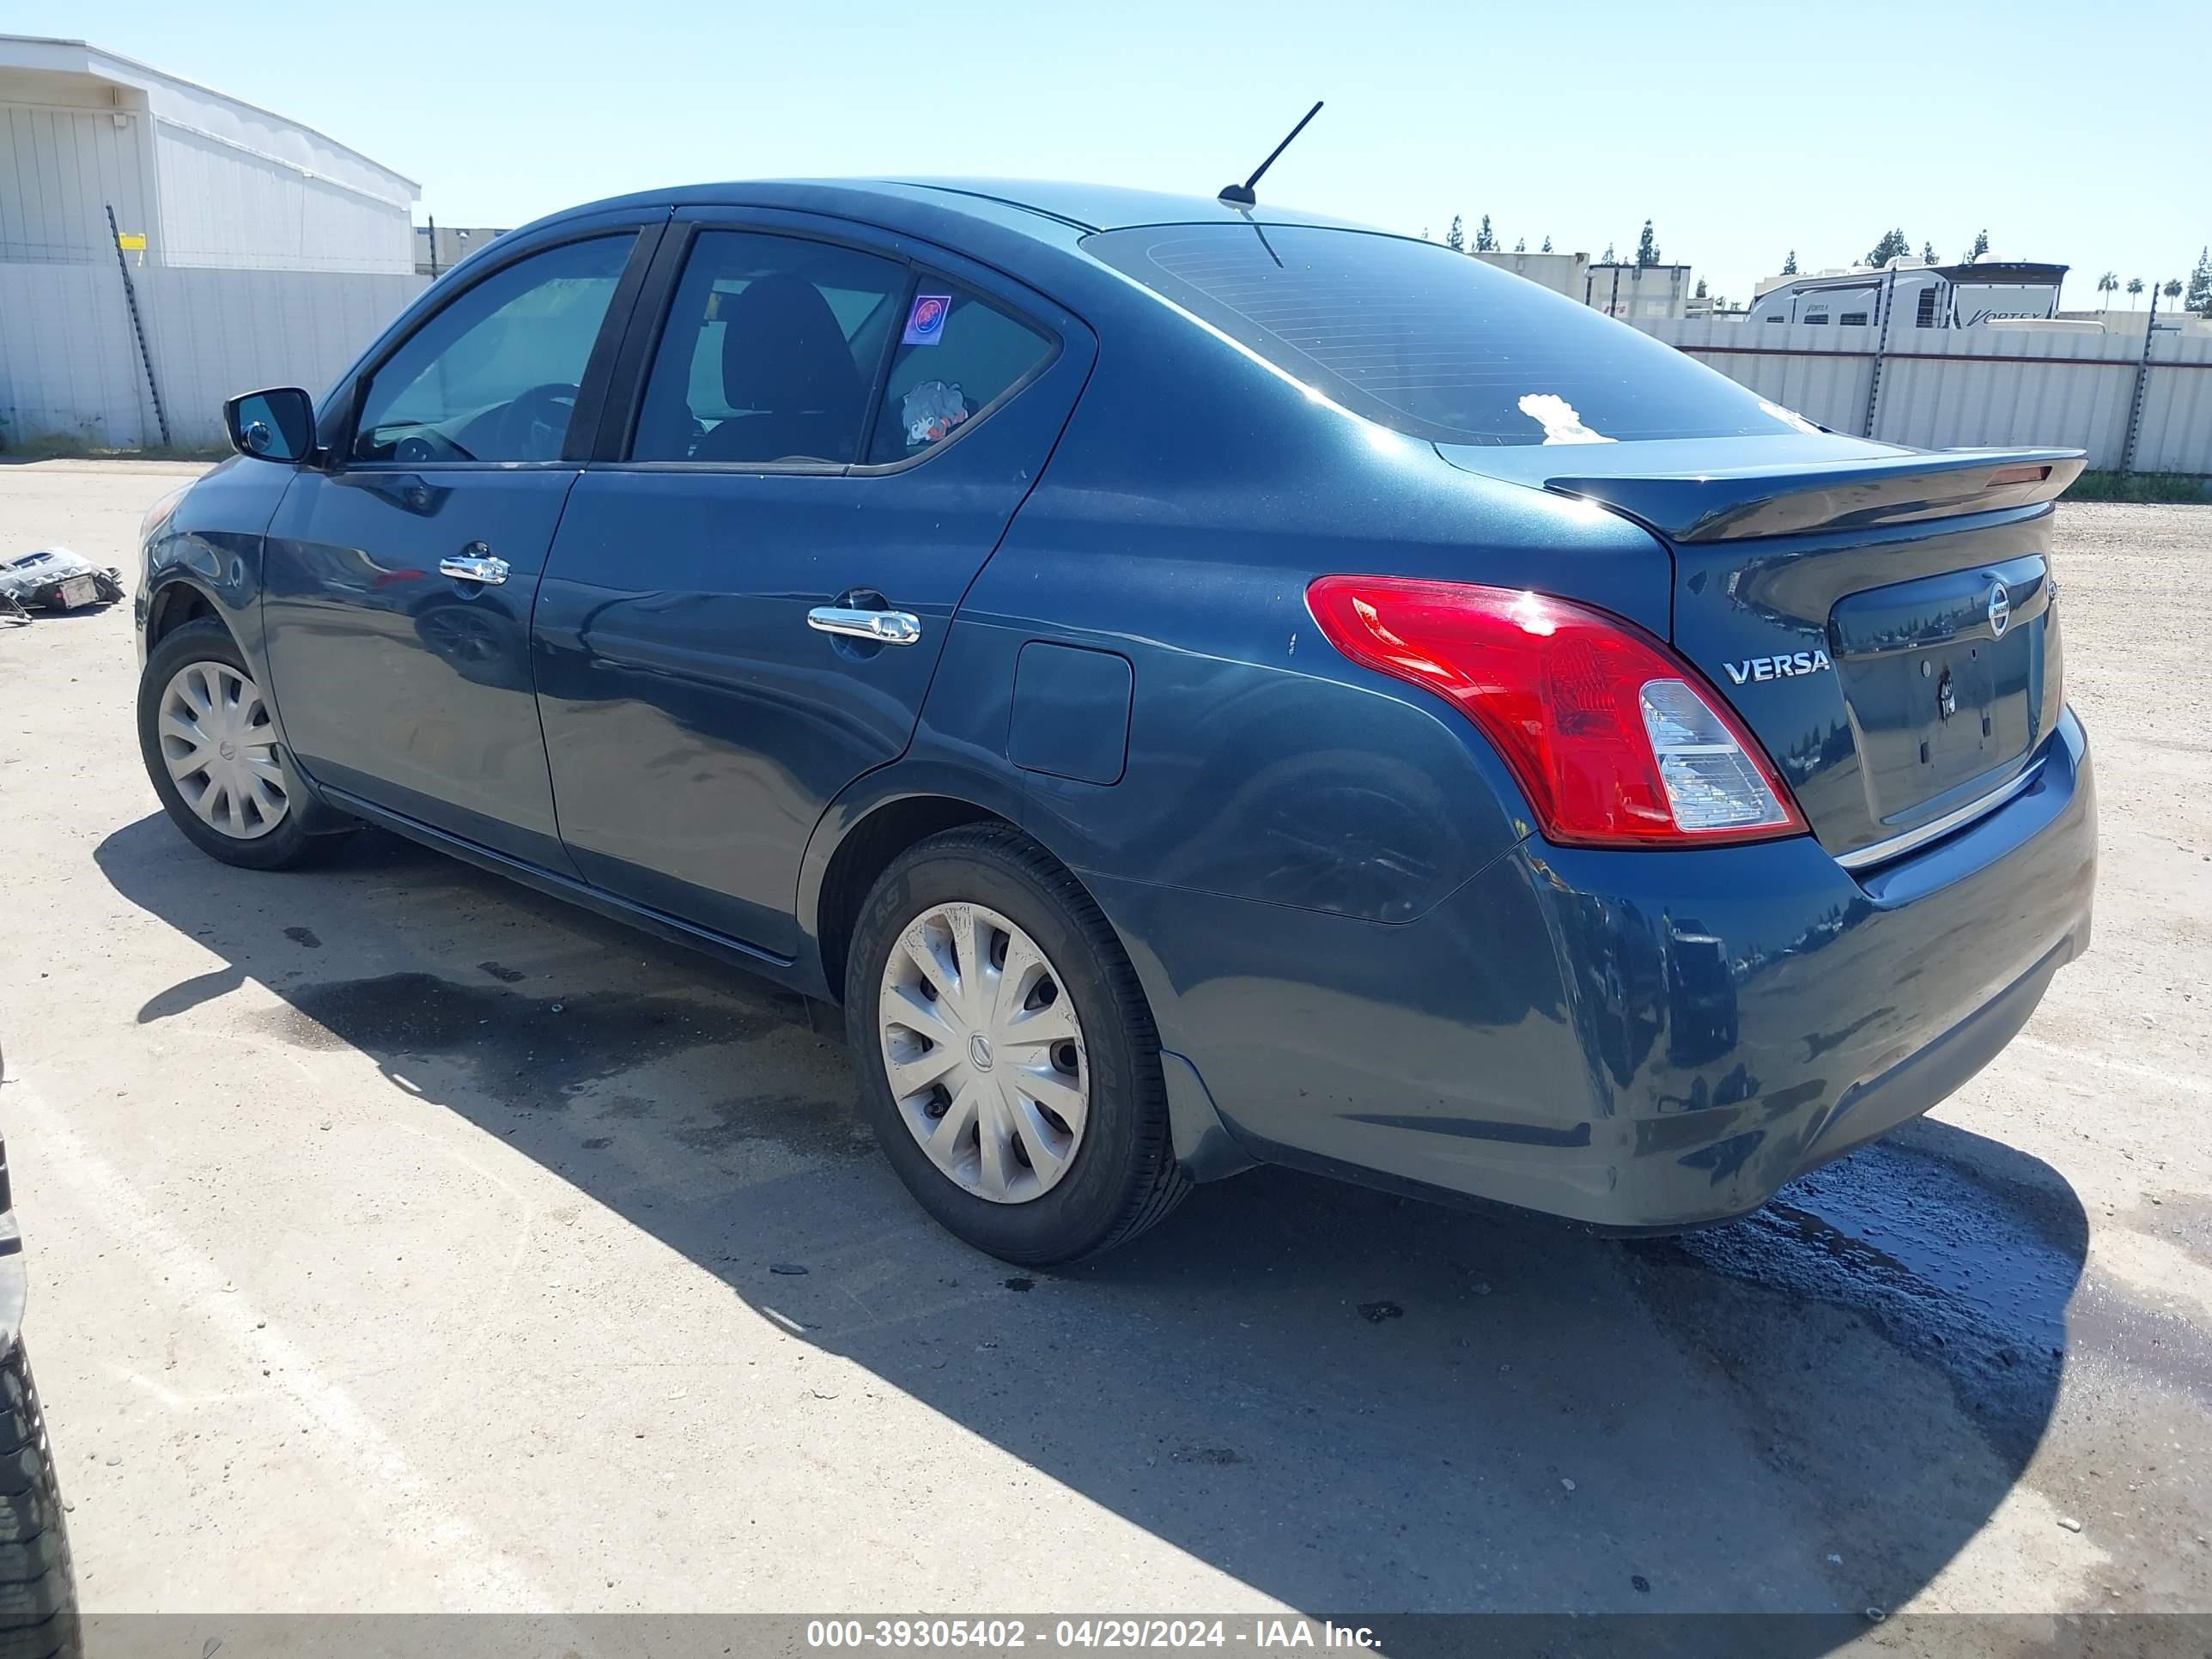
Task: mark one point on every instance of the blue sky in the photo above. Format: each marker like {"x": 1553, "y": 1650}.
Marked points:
{"x": 2076, "y": 134}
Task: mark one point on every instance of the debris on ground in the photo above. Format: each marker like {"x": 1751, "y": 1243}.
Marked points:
{"x": 54, "y": 579}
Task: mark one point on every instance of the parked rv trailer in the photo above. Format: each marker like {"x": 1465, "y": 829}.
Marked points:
{"x": 1921, "y": 296}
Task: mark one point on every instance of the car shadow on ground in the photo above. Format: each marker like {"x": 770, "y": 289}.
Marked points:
{"x": 1347, "y": 1400}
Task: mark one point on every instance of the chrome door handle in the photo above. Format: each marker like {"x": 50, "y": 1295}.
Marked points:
{"x": 883, "y": 627}
{"x": 474, "y": 567}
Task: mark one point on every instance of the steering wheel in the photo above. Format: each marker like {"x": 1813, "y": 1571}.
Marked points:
{"x": 534, "y": 422}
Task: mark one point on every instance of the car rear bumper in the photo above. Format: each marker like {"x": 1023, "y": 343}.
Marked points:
{"x": 1635, "y": 1040}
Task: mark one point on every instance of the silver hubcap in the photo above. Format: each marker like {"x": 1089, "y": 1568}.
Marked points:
{"x": 984, "y": 1053}
{"x": 221, "y": 749}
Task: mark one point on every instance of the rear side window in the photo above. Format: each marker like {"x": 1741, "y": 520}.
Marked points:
{"x": 957, "y": 355}
{"x": 1430, "y": 342}
{"x": 770, "y": 352}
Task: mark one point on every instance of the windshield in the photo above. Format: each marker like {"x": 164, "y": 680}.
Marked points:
{"x": 1434, "y": 344}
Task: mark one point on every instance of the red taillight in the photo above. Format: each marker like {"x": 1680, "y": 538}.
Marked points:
{"x": 1614, "y": 740}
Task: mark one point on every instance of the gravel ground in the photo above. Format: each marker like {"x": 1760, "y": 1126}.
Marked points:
{"x": 400, "y": 1240}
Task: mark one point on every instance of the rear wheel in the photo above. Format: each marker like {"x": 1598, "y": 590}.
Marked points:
{"x": 1006, "y": 1055}
{"x": 208, "y": 734}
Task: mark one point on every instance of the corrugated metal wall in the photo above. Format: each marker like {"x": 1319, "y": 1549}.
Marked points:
{"x": 58, "y": 169}
{"x": 223, "y": 205}
{"x": 68, "y": 362}
{"x": 1956, "y": 388}
{"x": 219, "y": 203}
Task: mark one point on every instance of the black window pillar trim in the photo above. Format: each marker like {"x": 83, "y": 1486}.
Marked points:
{"x": 579, "y": 443}
{"x": 633, "y": 358}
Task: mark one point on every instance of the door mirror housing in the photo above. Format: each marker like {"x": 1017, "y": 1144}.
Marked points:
{"x": 275, "y": 425}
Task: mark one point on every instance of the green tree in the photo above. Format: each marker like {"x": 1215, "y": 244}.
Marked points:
{"x": 1698, "y": 293}
{"x": 2172, "y": 288}
{"x": 2135, "y": 288}
{"x": 1521, "y": 245}
{"x": 1606, "y": 258}
{"x": 1455, "y": 239}
{"x": 1928, "y": 253}
{"x": 1547, "y": 248}
{"x": 1484, "y": 242}
{"x": 1893, "y": 245}
{"x": 1981, "y": 246}
{"x": 1647, "y": 251}
{"x": 1789, "y": 264}
{"x": 2108, "y": 283}
{"x": 2200, "y": 285}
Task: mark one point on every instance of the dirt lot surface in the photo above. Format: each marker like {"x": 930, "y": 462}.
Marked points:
{"x": 400, "y": 1240}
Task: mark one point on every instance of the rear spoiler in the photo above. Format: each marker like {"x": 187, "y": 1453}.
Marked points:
{"x": 1731, "y": 504}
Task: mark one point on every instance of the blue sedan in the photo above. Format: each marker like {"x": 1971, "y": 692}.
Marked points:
{"x": 1201, "y": 684}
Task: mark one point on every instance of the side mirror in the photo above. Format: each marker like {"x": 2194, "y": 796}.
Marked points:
{"x": 277, "y": 425}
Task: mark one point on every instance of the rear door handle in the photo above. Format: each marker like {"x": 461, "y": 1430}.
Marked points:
{"x": 883, "y": 627}
{"x": 468, "y": 566}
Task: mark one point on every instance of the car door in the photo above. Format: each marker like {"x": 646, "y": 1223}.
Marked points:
{"x": 398, "y": 577}
{"x": 746, "y": 601}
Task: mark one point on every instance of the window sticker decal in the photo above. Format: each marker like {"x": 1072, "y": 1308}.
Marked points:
{"x": 925, "y": 323}
{"x": 1558, "y": 418}
{"x": 931, "y": 410}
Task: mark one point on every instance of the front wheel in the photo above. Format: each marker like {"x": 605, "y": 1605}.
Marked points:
{"x": 209, "y": 738}
{"x": 1005, "y": 1054}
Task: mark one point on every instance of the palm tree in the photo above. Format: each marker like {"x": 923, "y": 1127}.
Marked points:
{"x": 2172, "y": 288}
{"x": 2108, "y": 283}
{"x": 2134, "y": 287}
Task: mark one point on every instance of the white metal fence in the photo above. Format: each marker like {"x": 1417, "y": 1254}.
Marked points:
{"x": 70, "y": 365}
{"x": 1957, "y": 388}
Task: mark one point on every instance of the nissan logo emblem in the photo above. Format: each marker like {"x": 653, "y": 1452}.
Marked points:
{"x": 2000, "y": 610}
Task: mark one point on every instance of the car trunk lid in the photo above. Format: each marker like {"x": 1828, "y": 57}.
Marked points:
{"x": 1880, "y": 618}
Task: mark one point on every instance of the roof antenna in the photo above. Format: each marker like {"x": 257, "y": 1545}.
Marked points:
{"x": 1240, "y": 195}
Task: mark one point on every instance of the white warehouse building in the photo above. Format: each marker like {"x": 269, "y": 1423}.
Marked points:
{"x": 207, "y": 179}
{"x": 247, "y": 250}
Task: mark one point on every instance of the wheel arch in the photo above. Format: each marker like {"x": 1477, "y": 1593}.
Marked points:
{"x": 176, "y": 601}
{"x": 856, "y": 843}
{"x": 878, "y": 818}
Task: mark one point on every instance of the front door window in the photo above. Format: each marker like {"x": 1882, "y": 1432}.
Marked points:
{"x": 494, "y": 376}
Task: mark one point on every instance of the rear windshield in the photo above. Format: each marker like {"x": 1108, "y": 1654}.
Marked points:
{"x": 1436, "y": 344}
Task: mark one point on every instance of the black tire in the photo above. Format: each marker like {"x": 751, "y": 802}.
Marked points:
{"x": 1123, "y": 1177}
{"x": 308, "y": 828}
{"x": 38, "y": 1585}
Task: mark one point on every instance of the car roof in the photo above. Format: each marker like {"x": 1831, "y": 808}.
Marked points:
{"x": 1034, "y": 205}
{"x": 1110, "y": 207}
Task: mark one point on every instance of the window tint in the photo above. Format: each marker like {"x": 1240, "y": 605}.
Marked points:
{"x": 1852, "y": 319}
{"x": 769, "y": 353}
{"x": 1431, "y": 341}
{"x": 958, "y": 353}
{"x": 493, "y": 376}
{"x": 1815, "y": 317}
{"x": 1926, "y": 317}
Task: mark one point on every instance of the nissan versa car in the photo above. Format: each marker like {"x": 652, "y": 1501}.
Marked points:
{"x": 1201, "y": 684}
